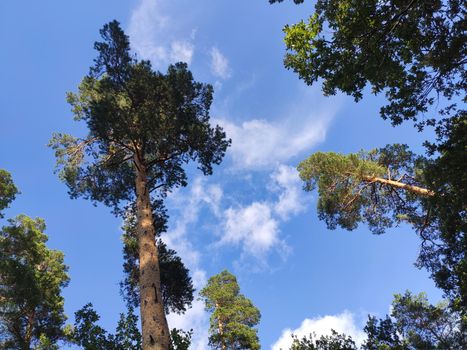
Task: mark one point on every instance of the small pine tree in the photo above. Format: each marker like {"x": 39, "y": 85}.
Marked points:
{"x": 233, "y": 315}
{"x": 31, "y": 279}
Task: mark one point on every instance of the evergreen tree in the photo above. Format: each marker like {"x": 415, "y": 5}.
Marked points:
{"x": 90, "y": 336}
{"x": 181, "y": 340}
{"x": 388, "y": 186}
{"x": 416, "y": 324}
{"x": 233, "y": 315}
{"x": 8, "y": 190}
{"x": 381, "y": 187}
{"x": 143, "y": 127}
{"x": 31, "y": 279}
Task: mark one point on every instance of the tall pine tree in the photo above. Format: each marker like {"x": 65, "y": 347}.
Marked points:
{"x": 143, "y": 127}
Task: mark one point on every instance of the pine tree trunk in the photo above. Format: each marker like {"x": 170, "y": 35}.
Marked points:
{"x": 29, "y": 329}
{"x": 220, "y": 326}
{"x": 155, "y": 330}
{"x": 411, "y": 188}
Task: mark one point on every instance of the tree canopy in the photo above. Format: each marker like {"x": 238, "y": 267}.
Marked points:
{"x": 335, "y": 341}
{"x": 31, "y": 279}
{"x": 144, "y": 126}
{"x": 90, "y": 336}
{"x": 233, "y": 315}
{"x": 385, "y": 187}
{"x": 412, "y": 51}
{"x": 416, "y": 324}
{"x": 380, "y": 187}
{"x": 8, "y": 190}
{"x": 133, "y": 111}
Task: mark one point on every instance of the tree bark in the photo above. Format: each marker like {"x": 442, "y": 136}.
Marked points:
{"x": 220, "y": 326}
{"x": 29, "y": 329}
{"x": 411, "y": 188}
{"x": 155, "y": 330}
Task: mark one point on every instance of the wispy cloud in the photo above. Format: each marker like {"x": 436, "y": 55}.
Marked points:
{"x": 220, "y": 64}
{"x": 341, "y": 323}
{"x": 287, "y": 182}
{"x": 157, "y": 37}
{"x": 259, "y": 144}
{"x": 181, "y": 51}
{"x": 189, "y": 206}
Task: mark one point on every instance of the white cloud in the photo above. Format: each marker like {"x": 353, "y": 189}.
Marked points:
{"x": 146, "y": 21}
{"x": 341, "y": 323}
{"x": 219, "y": 64}
{"x": 259, "y": 144}
{"x": 156, "y": 37}
{"x": 253, "y": 226}
{"x": 291, "y": 200}
{"x": 256, "y": 227}
{"x": 181, "y": 51}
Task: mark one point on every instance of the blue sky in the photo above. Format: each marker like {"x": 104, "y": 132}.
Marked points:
{"x": 251, "y": 216}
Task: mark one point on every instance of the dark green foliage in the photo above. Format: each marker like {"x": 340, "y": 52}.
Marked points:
{"x": 8, "y": 190}
{"x": 90, "y": 336}
{"x": 233, "y": 315}
{"x": 447, "y": 176}
{"x": 128, "y": 336}
{"x": 31, "y": 279}
{"x": 383, "y": 334}
{"x": 87, "y": 333}
{"x": 181, "y": 340}
{"x": 133, "y": 111}
{"x": 412, "y": 51}
{"x": 176, "y": 284}
{"x": 416, "y": 324}
{"x": 427, "y": 325}
{"x": 335, "y": 341}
